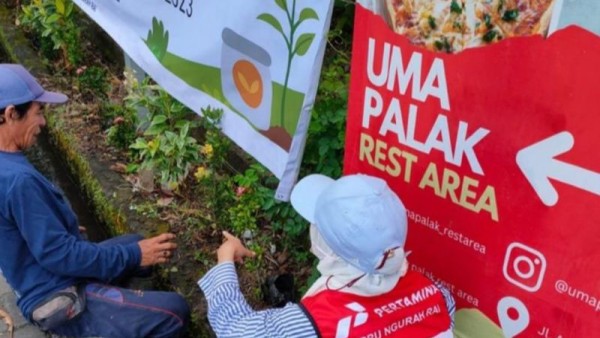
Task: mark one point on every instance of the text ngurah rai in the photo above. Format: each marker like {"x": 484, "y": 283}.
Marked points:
{"x": 391, "y": 329}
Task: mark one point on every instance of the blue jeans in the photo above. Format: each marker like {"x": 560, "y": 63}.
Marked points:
{"x": 113, "y": 311}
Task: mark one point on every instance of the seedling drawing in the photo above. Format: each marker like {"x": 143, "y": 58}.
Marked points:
{"x": 295, "y": 46}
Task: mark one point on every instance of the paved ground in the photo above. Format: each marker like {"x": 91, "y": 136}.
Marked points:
{"x": 8, "y": 304}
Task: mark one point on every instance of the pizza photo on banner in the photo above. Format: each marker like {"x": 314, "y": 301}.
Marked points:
{"x": 488, "y": 130}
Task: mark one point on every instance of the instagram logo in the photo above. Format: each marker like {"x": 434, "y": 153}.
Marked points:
{"x": 524, "y": 267}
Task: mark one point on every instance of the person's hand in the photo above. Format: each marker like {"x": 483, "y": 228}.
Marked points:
{"x": 158, "y": 249}
{"x": 82, "y": 229}
{"x": 232, "y": 249}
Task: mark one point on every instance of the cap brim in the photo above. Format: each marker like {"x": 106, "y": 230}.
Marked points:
{"x": 51, "y": 97}
{"x": 306, "y": 192}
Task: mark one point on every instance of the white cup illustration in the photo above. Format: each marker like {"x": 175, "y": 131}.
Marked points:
{"x": 246, "y": 78}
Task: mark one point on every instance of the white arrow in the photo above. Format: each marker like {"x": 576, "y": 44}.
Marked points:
{"x": 538, "y": 164}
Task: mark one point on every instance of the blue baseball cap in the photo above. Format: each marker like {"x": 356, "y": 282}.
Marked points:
{"x": 18, "y": 86}
{"x": 358, "y": 216}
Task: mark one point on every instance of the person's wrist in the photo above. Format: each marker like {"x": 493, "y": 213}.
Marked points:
{"x": 224, "y": 255}
{"x": 225, "y": 258}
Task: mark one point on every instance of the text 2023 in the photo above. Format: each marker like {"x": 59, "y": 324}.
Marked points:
{"x": 185, "y": 6}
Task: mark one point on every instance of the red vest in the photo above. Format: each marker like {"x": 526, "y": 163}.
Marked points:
{"x": 415, "y": 308}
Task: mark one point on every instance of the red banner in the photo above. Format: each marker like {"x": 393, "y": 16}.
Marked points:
{"x": 494, "y": 153}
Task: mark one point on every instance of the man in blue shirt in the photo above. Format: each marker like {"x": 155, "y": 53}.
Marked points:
{"x": 62, "y": 282}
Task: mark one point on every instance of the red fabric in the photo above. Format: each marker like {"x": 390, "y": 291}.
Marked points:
{"x": 511, "y": 226}
{"x": 414, "y": 308}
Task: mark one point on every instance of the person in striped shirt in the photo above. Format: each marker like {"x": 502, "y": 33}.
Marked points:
{"x": 358, "y": 230}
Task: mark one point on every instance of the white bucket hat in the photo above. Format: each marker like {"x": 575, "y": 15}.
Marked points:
{"x": 358, "y": 216}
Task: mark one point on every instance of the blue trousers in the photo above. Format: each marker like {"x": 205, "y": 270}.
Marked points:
{"x": 116, "y": 312}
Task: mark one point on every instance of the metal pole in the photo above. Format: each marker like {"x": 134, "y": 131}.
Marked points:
{"x": 140, "y": 75}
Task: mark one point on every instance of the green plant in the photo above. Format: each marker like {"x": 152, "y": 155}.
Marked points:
{"x": 53, "y": 20}
{"x": 220, "y": 193}
{"x": 243, "y": 214}
{"x": 108, "y": 112}
{"x": 245, "y": 201}
{"x": 166, "y": 146}
{"x": 164, "y": 112}
{"x": 92, "y": 82}
{"x": 295, "y": 46}
{"x": 148, "y": 209}
{"x": 203, "y": 258}
{"x": 170, "y": 155}
{"x": 123, "y": 121}
{"x": 213, "y": 174}
{"x": 256, "y": 263}
{"x": 256, "y": 208}
{"x": 326, "y": 133}
{"x": 220, "y": 145}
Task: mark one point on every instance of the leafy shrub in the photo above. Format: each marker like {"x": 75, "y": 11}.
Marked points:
{"x": 213, "y": 173}
{"x": 166, "y": 146}
{"x": 53, "y": 20}
{"x": 122, "y": 120}
{"x": 169, "y": 154}
{"x": 92, "y": 82}
{"x": 326, "y": 134}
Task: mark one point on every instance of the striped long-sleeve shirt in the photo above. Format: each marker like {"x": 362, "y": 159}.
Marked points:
{"x": 230, "y": 315}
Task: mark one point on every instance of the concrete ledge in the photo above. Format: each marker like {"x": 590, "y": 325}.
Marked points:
{"x": 22, "y": 328}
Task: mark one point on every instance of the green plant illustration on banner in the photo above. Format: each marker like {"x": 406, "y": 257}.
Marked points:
{"x": 283, "y": 105}
{"x": 295, "y": 46}
{"x": 158, "y": 39}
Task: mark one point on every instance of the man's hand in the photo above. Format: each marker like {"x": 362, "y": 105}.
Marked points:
{"x": 232, "y": 249}
{"x": 158, "y": 249}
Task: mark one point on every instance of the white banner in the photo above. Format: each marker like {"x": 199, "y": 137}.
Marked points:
{"x": 258, "y": 60}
